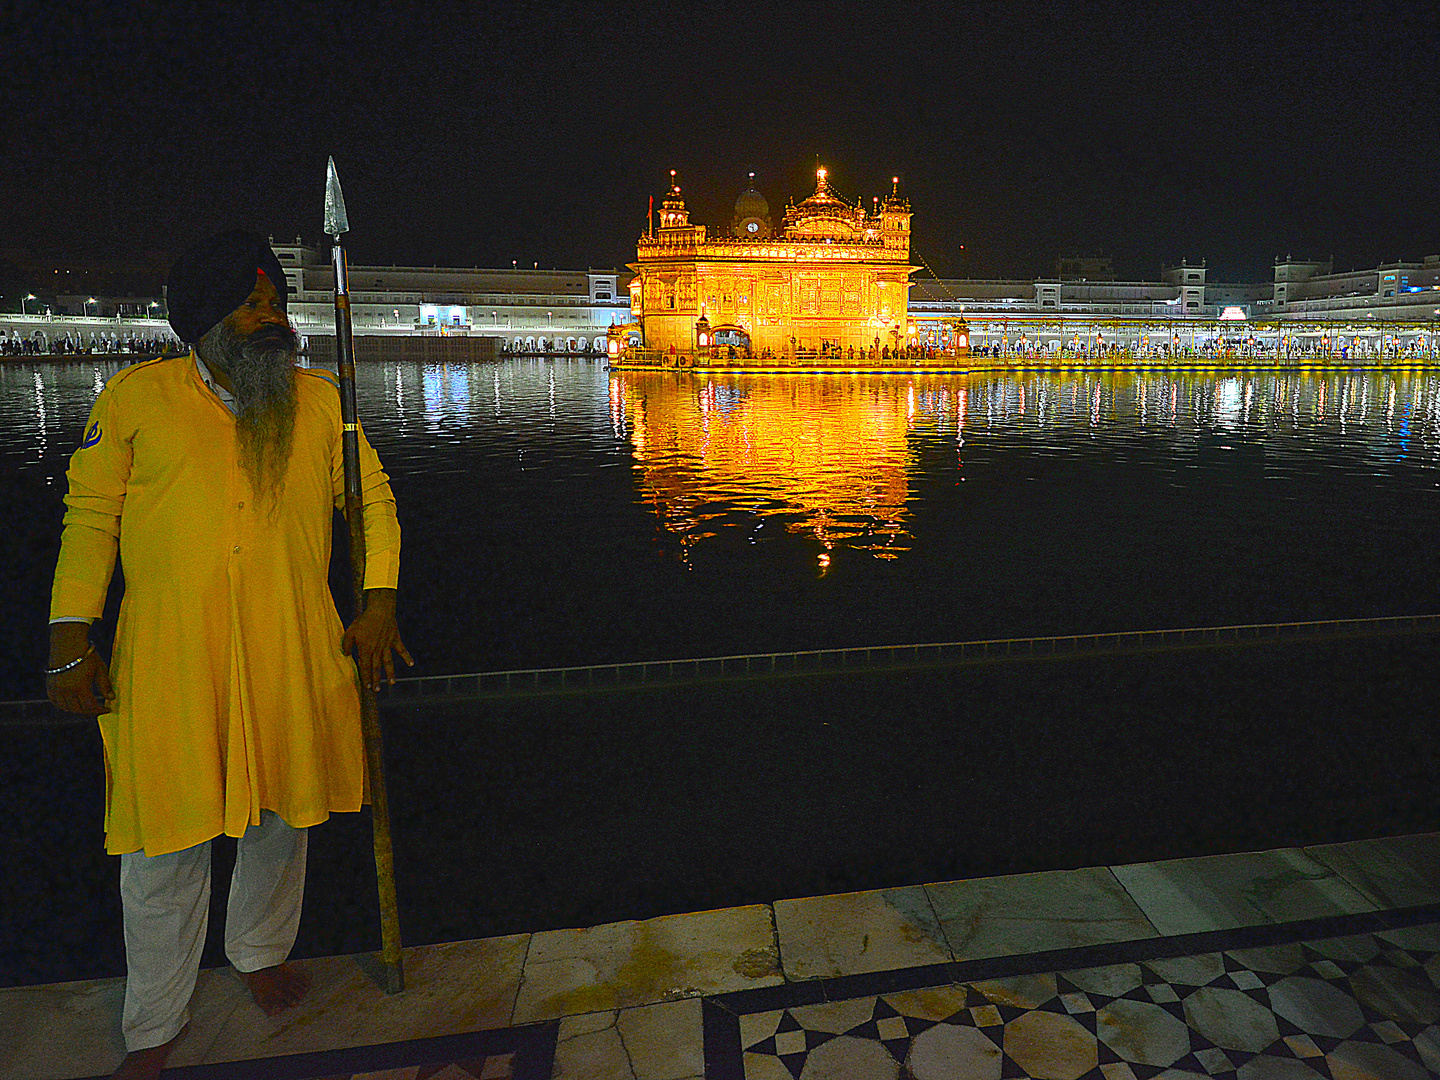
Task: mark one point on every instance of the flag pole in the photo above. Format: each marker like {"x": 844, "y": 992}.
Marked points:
{"x": 389, "y": 971}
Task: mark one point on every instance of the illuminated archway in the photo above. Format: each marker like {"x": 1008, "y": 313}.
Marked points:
{"x": 731, "y": 336}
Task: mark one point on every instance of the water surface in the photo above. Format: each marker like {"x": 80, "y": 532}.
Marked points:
{"x": 556, "y": 513}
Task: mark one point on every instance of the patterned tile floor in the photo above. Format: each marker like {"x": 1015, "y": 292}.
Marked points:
{"x": 1278, "y": 965}
{"x": 1363, "y": 1005}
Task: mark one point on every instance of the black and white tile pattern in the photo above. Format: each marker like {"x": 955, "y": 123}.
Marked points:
{"x": 1341, "y": 1008}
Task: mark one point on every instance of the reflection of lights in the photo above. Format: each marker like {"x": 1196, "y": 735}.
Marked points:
{"x": 830, "y": 461}
{"x": 823, "y": 559}
{"x": 40, "y": 413}
{"x": 823, "y": 461}
{"x": 1227, "y": 407}
{"x": 399, "y": 399}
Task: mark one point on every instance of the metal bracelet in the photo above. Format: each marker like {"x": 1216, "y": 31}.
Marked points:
{"x": 72, "y": 664}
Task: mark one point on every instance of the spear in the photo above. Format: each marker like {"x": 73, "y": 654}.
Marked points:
{"x": 388, "y": 972}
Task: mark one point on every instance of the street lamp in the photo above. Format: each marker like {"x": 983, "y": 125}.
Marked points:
{"x": 87, "y": 305}
{"x": 27, "y": 296}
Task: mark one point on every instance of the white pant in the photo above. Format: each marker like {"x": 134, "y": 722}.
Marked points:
{"x": 166, "y": 900}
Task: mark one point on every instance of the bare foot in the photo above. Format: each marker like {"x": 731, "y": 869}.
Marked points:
{"x": 277, "y": 988}
{"x": 148, "y": 1063}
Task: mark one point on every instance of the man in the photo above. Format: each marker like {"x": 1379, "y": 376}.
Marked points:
{"x": 229, "y": 705}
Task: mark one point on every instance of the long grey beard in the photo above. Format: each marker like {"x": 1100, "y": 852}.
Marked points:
{"x": 263, "y": 377}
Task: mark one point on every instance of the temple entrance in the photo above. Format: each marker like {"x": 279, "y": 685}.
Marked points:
{"x": 726, "y": 338}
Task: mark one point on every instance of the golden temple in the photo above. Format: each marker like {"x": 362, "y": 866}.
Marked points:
{"x": 830, "y": 283}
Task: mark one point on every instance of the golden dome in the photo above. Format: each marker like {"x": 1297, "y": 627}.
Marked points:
{"x": 824, "y": 214}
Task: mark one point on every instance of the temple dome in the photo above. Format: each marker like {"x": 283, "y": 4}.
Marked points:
{"x": 751, "y": 204}
{"x": 824, "y": 199}
{"x": 824, "y": 214}
{"x": 752, "y": 214}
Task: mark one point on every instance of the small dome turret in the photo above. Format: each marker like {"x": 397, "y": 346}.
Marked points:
{"x": 673, "y": 214}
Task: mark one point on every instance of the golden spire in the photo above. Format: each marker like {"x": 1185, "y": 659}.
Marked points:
{"x": 672, "y": 208}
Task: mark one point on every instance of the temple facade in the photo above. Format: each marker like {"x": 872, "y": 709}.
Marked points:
{"x": 831, "y": 278}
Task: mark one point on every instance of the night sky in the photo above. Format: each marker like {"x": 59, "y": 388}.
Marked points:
{"x": 1229, "y": 132}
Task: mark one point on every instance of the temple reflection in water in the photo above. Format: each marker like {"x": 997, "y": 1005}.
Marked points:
{"x": 838, "y": 459}
{"x": 826, "y": 459}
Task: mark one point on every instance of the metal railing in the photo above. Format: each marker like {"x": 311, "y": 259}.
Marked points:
{"x": 529, "y": 682}
{"x": 641, "y": 674}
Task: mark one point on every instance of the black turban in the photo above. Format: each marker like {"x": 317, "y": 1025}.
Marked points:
{"x": 213, "y": 278}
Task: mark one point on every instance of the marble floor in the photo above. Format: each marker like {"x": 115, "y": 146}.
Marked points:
{"x": 1290, "y": 963}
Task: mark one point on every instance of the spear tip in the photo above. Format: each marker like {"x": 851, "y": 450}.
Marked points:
{"x": 335, "y": 220}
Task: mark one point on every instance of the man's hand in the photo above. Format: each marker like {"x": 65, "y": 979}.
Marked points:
{"x": 85, "y": 689}
{"x": 372, "y": 637}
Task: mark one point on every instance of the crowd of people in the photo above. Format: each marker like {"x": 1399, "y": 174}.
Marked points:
{"x": 826, "y": 350}
{"x": 830, "y": 350}
{"x": 16, "y": 344}
{"x": 1307, "y": 350}
{"x": 1084, "y": 351}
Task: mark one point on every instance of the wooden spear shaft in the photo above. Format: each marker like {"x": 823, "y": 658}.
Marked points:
{"x": 391, "y": 973}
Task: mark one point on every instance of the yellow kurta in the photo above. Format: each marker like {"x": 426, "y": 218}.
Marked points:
{"x": 231, "y": 692}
